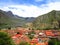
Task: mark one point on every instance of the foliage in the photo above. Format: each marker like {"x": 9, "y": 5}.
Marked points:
{"x": 50, "y": 20}
{"x": 8, "y": 19}
{"x": 31, "y": 34}
{"x": 5, "y": 39}
{"x": 54, "y": 42}
{"x": 24, "y": 43}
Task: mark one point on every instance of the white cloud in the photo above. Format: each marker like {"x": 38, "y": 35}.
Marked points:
{"x": 52, "y": 6}
{"x": 32, "y": 10}
{"x": 23, "y": 10}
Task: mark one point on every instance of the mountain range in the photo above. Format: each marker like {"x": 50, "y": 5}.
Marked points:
{"x": 50, "y": 20}
{"x": 8, "y": 19}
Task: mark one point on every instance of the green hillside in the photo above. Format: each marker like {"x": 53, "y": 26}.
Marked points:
{"x": 50, "y": 20}
{"x": 8, "y": 19}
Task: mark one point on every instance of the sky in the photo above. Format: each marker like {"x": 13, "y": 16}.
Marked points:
{"x": 29, "y": 8}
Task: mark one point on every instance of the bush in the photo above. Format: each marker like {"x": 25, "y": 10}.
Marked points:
{"x": 31, "y": 34}
{"x": 24, "y": 43}
{"x": 54, "y": 42}
{"x": 5, "y": 39}
{"x": 51, "y": 42}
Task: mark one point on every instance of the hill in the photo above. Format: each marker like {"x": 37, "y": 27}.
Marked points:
{"x": 8, "y": 19}
{"x": 50, "y": 20}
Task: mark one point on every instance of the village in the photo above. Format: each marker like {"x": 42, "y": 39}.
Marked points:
{"x": 38, "y": 37}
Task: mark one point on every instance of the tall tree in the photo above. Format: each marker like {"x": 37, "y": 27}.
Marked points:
{"x": 5, "y": 39}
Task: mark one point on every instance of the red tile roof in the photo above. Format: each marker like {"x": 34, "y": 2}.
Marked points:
{"x": 40, "y": 44}
{"x": 49, "y": 33}
{"x": 34, "y": 41}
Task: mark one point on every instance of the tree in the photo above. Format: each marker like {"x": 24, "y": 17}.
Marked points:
{"x": 24, "y": 43}
{"x": 5, "y": 39}
{"x": 51, "y": 42}
{"x": 31, "y": 34}
{"x": 54, "y": 42}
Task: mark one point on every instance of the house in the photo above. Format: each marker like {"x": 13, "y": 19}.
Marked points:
{"x": 49, "y": 33}
{"x": 18, "y": 38}
{"x": 34, "y": 41}
{"x": 45, "y": 43}
{"x": 41, "y": 37}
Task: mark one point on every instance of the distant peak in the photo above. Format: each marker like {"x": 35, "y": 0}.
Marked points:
{"x": 9, "y": 12}
{"x": 53, "y": 10}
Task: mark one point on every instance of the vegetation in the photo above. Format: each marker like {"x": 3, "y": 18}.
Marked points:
{"x": 5, "y": 39}
{"x": 31, "y": 34}
{"x": 50, "y": 20}
{"x": 24, "y": 43}
{"x": 54, "y": 42}
{"x": 8, "y": 19}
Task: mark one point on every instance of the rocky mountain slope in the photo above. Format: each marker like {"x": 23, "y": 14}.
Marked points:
{"x": 50, "y": 20}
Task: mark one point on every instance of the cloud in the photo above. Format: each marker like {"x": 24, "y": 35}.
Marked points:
{"x": 26, "y": 11}
{"x": 31, "y": 10}
{"x": 23, "y": 10}
{"x": 52, "y": 6}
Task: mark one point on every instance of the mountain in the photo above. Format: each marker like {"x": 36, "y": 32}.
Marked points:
{"x": 29, "y": 19}
{"x": 8, "y": 19}
{"x": 50, "y": 20}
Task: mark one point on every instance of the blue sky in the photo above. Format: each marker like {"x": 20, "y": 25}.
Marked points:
{"x": 29, "y": 8}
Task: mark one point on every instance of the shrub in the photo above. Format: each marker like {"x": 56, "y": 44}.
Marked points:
{"x": 24, "y": 43}
{"x": 5, "y": 39}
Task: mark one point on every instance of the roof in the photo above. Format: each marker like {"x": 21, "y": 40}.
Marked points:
{"x": 49, "y": 33}
{"x": 34, "y": 41}
{"x": 40, "y": 44}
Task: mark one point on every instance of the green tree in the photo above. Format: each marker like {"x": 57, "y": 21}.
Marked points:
{"x": 51, "y": 42}
{"x": 31, "y": 34}
{"x": 5, "y": 39}
{"x": 24, "y": 43}
{"x": 54, "y": 42}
